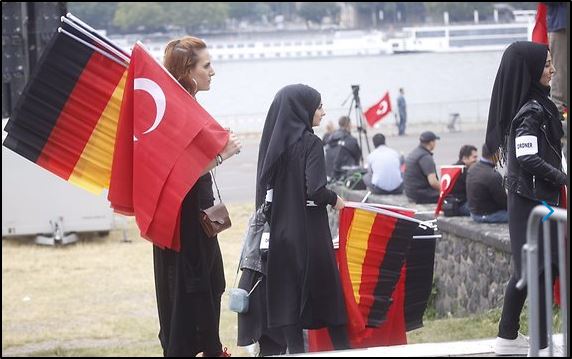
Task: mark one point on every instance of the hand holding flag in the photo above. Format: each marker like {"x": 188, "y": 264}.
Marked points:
{"x": 86, "y": 118}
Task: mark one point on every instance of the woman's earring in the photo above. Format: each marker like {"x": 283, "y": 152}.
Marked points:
{"x": 196, "y": 85}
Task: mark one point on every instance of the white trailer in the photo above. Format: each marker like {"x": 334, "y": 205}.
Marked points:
{"x": 37, "y": 202}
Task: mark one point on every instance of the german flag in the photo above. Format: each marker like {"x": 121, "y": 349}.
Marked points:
{"x": 373, "y": 247}
{"x": 66, "y": 118}
{"x": 374, "y": 243}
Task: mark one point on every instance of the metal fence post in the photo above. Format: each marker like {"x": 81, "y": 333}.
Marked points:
{"x": 531, "y": 277}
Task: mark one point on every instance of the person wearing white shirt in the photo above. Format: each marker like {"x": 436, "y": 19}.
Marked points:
{"x": 384, "y": 169}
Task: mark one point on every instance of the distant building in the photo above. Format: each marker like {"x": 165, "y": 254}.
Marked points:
{"x": 348, "y": 15}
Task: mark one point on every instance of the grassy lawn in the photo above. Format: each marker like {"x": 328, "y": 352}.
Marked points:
{"x": 97, "y": 298}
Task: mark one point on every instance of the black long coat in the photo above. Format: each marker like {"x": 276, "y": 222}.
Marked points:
{"x": 303, "y": 285}
{"x": 189, "y": 284}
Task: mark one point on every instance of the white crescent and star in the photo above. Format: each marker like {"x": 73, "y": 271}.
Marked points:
{"x": 446, "y": 178}
{"x": 382, "y": 108}
{"x": 158, "y": 96}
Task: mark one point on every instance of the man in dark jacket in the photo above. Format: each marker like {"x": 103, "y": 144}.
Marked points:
{"x": 467, "y": 157}
{"x": 420, "y": 178}
{"x": 342, "y": 150}
{"x": 485, "y": 193}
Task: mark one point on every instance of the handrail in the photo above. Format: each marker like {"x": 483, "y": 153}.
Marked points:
{"x": 530, "y": 275}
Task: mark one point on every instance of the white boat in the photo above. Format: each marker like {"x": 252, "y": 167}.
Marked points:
{"x": 280, "y": 46}
{"x": 460, "y": 38}
{"x": 341, "y": 43}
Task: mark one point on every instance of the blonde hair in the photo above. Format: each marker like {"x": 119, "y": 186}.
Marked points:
{"x": 181, "y": 57}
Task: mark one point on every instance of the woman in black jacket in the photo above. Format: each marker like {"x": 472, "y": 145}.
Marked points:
{"x": 524, "y": 127}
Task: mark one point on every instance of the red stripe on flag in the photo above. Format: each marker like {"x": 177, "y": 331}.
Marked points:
{"x": 121, "y": 183}
{"x": 80, "y": 115}
{"x": 392, "y": 331}
{"x": 381, "y": 232}
{"x": 356, "y": 322}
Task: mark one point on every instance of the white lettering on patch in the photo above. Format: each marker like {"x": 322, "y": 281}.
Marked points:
{"x": 526, "y": 145}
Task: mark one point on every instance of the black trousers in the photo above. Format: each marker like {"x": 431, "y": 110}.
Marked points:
{"x": 519, "y": 209}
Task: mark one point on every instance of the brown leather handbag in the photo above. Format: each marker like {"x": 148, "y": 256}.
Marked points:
{"x": 215, "y": 219}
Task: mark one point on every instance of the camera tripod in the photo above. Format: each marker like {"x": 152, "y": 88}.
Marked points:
{"x": 356, "y": 106}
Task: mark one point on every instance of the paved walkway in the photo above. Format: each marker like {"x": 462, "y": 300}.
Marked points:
{"x": 466, "y": 348}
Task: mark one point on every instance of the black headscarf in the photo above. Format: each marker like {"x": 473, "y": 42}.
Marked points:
{"x": 517, "y": 81}
{"x": 289, "y": 116}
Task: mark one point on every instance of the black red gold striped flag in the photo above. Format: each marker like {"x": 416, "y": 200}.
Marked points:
{"x": 66, "y": 118}
{"x": 373, "y": 245}
{"x": 377, "y": 268}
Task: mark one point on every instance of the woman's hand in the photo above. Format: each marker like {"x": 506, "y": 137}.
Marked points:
{"x": 232, "y": 147}
{"x": 340, "y": 203}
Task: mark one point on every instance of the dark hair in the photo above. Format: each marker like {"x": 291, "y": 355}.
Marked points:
{"x": 181, "y": 57}
{"x": 485, "y": 153}
{"x": 378, "y": 140}
{"x": 466, "y": 151}
{"x": 344, "y": 121}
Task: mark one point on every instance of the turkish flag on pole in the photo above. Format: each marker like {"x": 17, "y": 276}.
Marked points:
{"x": 540, "y": 32}
{"x": 449, "y": 176}
{"x": 379, "y": 110}
{"x": 164, "y": 141}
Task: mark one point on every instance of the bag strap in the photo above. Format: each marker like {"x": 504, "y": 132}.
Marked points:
{"x": 213, "y": 173}
{"x": 254, "y": 286}
{"x": 236, "y": 277}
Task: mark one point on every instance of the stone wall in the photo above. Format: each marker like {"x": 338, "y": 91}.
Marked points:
{"x": 472, "y": 260}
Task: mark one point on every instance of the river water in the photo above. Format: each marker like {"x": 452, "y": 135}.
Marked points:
{"x": 435, "y": 84}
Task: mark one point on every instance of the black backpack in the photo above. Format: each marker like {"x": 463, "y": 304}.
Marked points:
{"x": 451, "y": 206}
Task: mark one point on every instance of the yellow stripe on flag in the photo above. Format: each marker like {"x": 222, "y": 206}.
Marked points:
{"x": 93, "y": 169}
{"x": 356, "y": 246}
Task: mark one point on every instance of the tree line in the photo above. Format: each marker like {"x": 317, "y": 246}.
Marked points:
{"x": 197, "y": 17}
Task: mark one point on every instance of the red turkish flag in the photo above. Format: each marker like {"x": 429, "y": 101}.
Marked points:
{"x": 540, "y": 32}
{"x": 379, "y": 110}
{"x": 165, "y": 139}
{"x": 449, "y": 176}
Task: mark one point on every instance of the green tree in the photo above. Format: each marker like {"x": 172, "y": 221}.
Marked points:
{"x": 393, "y": 13}
{"x": 139, "y": 16}
{"x": 316, "y": 11}
{"x": 97, "y": 14}
{"x": 252, "y": 11}
{"x": 459, "y": 11}
{"x": 197, "y": 16}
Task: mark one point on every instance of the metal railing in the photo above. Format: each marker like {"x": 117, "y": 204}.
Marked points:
{"x": 530, "y": 275}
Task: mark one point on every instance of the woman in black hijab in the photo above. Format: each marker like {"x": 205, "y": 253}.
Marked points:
{"x": 524, "y": 129}
{"x": 303, "y": 288}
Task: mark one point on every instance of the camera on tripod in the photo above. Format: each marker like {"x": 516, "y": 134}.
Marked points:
{"x": 356, "y": 105}
{"x": 355, "y": 89}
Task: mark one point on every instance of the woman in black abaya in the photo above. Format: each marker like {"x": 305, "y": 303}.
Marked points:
{"x": 303, "y": 288}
